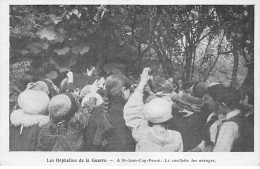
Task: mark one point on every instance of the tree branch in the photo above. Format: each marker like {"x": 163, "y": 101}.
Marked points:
{"x": 219, "y": 46}
{"x": 209, "y": 42}
{"x": 226, "y": 52}
{"x": 210, "y": 32}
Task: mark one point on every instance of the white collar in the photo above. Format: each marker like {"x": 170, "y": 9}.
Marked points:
{"x": 220, "y": 117}
{"x": 18, "y": 117}
{"x": 210, "y": 116}
{"x": 232, "y": 114}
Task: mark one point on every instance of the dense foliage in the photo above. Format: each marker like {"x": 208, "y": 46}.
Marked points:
{"x": 194, "y": 42}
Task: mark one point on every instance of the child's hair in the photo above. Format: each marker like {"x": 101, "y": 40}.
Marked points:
{"x": 230, "y": 97}
{"x": 199, "y": 89}
{"x": 114, "y": 85}
{"x": 169, "y": 87}
{"x": 215, "y": 91}
{"x": 176, "y": 84}
{"x": 188, "y": 84}
{"x": 114, "y": 88}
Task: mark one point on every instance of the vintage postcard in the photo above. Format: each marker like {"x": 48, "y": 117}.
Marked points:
{"x": 129, "y": 83}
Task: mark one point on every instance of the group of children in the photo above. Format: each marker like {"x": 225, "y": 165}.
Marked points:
{"x": 112, "y": 115}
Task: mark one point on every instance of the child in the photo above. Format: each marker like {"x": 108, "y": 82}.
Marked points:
{"x": 107, "y": 130}
{"x": 64, "y": 131}
{"x": 27, "y": 121}
{"x": 45, "y": 85}
{"x": 225, "y": 130}
{"x": 148, "y": 122}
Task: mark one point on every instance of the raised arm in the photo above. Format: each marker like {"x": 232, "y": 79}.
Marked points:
{"x": 133, "y": 110}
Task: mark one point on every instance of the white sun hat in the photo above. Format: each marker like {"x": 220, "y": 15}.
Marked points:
{"x": 33, "y": 102}
{"x": 158, "y": 110}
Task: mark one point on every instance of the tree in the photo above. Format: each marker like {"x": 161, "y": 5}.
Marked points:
{"x": 191, "y": 41}
{"x": 240, "y": 25}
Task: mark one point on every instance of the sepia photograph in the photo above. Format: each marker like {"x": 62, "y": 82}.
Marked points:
{"x": 129, "y": 84}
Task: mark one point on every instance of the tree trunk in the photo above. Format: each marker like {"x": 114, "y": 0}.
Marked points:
{"x": 235, "y": 66}
{"x": 218, "y": 53}
{"x": 204, "y": 56}
{"x": 163, "y": 63}
{"x": 247, "y": 88}
{"x": 188, "y": 64}
{"x": 193, "y": 64}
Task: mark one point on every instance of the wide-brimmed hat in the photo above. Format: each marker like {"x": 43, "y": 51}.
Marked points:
{"x": 85, "y": 90}
{"x": 45, "y": 85}
{"x": 62, "y": 107}
{"x": 97, "y": 97}
{"x": 158, "y": 110}
{"x": 33, "y": 102}
{"x": 49, "y": 84}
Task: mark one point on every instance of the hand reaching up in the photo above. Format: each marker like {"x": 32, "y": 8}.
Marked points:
{"x": 30, "y": 86}
{"x": 101, "y": 83}
{"x": 70, "y": 76}
{"x": 144, "y": 78}
{"x": 94, "y": 87}
{"x": 90, "y": 72}
{"x": 186, "y": 113}
{"x": 145, "y": 75}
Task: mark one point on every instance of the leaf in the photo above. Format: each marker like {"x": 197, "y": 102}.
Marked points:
{"x": 61, "y": 30}
{"x": 140, "y": 17}
{"x": 24, "y": 52}
{"x": 80, "y": 49}
{"x": 45, "y": 46}
{"x": 84, "y": 50}
{"x": 59, "y": 37}
{"x": 28, "y": 76}
{"x": 52, "y": 16}
{"x": 79, "y": 15}
{"x": 30, "y": 34}
{"x": 128, "y": 28}
{"x": 114, "y": 68}
{"x": 62, "y": 51}
{"x": 52, "y": 61}
{"x": 118, "y": 18}
{"x": 47, "y": 33}
{"x": 133, "y": 48}
{"x": 75, "y": 11}
{"x": 63, "y": 69}
{"x": 19, "y": 17}
{"x": 122, "y": 10}
{"x": 34, "y": 48}
{"x": 57, "y": 20}
{"x": 52, "y": 75}
{"x": 35, "y": 51}
{"x": 73, "y": 61}
{"x": 76, "y": 49}
{"x": 56, "y": 66}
